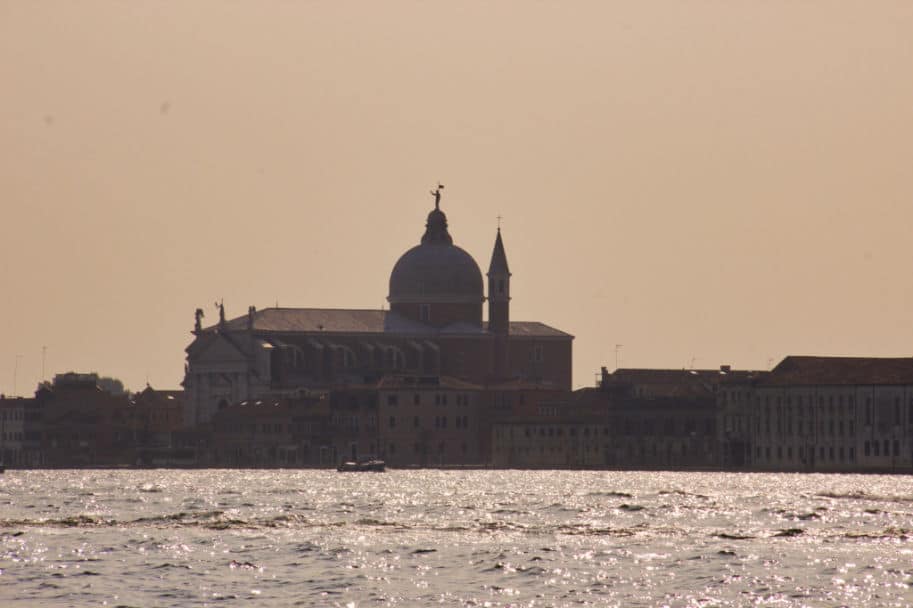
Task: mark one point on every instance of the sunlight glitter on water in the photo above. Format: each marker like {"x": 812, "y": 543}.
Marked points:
{"x": 462, "y": 538}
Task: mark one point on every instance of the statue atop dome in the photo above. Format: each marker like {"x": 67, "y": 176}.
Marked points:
{"x": 436, "y": 226}
{"x": 437, "y": 197}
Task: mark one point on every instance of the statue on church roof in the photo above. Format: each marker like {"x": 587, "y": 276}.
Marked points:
{"x": 437, "y": 196}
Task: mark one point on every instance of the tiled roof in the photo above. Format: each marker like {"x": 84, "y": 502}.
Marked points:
{"x": 314, "y": 320}
{"x": 806, "y": 371}
{"x": 293, "y": 320}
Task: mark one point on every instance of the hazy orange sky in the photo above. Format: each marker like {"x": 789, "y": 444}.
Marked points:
{"x": 701, "y": 182}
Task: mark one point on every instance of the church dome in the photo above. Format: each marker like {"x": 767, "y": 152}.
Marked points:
{"x": 436, "y": 270}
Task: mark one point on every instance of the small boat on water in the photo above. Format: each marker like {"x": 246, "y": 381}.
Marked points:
{"x": 374, "y": 465}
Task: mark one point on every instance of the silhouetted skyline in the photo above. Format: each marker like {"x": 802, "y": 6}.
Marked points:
{"x": 702, "y": 183}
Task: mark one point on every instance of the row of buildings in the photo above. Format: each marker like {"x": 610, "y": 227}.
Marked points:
{"x": 432, "y": 381}
{"x": 831, "y": 414}
{"x": 73, "y": 422}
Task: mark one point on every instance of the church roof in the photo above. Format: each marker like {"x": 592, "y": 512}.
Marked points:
{"x": 341, "y": 320}
{"x": 291, "y": 320}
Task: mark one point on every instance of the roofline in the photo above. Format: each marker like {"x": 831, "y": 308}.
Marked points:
{"x": 438, "y": 333}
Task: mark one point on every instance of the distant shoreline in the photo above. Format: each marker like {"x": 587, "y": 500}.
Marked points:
{"x": 467, "y": 468}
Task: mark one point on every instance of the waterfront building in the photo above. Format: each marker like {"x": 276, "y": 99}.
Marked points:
{"x": 155, "y": 417}
{"x": 12, "y": 430}
{"x": 73, "y": 422}
{"x": 430, "y": 421}
{"x": 554, "y": 433}
{"x": 294, "y": 432}
{"x": 734, "y": 418}
{"x": 849, "y": 414}
{"x": 432, "y": 336}
{"x": 634, "y": 419}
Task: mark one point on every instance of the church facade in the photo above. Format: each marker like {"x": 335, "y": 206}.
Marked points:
{"x": 434, "y": 328}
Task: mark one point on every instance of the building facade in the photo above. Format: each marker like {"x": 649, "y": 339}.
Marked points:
{"x": 849, "y": 414}
{"x": 12, "y": 431}
{"x": 635, "y": 419}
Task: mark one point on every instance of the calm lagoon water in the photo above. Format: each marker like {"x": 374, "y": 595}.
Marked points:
{"x": 453, "y": 538}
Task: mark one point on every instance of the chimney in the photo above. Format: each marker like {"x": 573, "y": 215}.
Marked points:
{"x": 251, "y": 312}
{"x": 605, "y": 376}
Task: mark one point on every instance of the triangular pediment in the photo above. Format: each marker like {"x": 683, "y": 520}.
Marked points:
{"x": 220, "y": 349}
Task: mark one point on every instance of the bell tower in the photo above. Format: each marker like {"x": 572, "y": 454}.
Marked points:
{"x": 499, "y": 290}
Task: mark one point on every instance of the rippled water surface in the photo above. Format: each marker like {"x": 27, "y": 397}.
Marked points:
{"x": 453, "y": 538}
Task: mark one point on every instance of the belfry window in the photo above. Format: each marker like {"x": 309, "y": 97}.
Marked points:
{"x": 500, "y": 285}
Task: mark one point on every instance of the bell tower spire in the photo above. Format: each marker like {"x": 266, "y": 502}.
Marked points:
{"x": 499, "y": 289}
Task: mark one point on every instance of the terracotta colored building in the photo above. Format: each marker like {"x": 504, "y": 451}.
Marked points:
{"x": 430, "y": 421}
{"x": 433, "y": 329}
